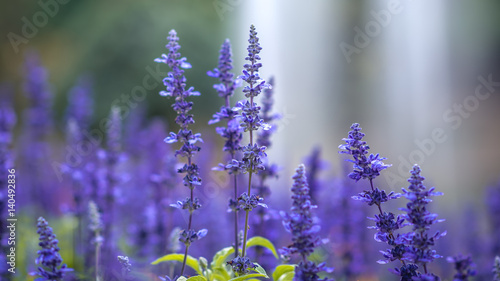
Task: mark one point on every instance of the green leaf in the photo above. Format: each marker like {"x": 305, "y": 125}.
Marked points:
{"x": 248, "y": 276}
{"x": 190, "y": 261}
{"x": 281, "y": 270}
{"x": 260, "y": 270}
{"x": 287, "y": 276}
{"x": 197, "y": 278}
{"x": 221, "y": 273}
{"x": 221, "y": 256}
{"x": 261, "y": 241}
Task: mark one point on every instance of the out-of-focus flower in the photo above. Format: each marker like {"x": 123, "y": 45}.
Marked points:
{"x": 49, "y": 257}
{"x": 464, "y": 266}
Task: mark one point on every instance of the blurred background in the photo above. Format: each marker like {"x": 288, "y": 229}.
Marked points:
{"x": 421, "y": 77}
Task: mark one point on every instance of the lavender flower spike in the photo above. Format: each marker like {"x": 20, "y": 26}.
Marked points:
{"x": 300, "y": 223}
{"x": 48, "y": 256}
{"x": 232, "y": 133}
{"x": 419, "y": 250}
{"x": 253, "y": 154}
{"x": 364, "y": 167}
{"x": 175, "y": 83}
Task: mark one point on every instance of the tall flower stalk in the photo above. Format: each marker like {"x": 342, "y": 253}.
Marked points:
{"x": 175, "y": 84}
{"x": 232, "y": 133}
{"x": 419, "y": 242}
{"x": 300, "y": 223}
{"x": 368, "y": 167}
{"x": 253, "y": 154}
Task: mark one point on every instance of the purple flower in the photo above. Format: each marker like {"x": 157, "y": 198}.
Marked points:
{"x": 463, "y": 266}
{"x": 227, "y": 83}
{"x": 189, "y": 236}
{"x": 49, "y": 257}
{"x": 375, "y": 196}
{"x": 407, "y": 272}
{"x": 252, "y": 158}
{"x": 364, "y": 167}
{"x": 241, "y": 265}
{"x": 246, "y": 202}
{"x": 386, "y": 224}
{"x": 419, "y": 250}
{"x": 308, "y": 271}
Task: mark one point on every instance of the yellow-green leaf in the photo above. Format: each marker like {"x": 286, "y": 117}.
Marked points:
{"x": 248, "y": 276}
{"x": 221, "y": 256}
{"x": 221, "y": 272}
{"x": 190, "y": 261}
{"x": 282, "y": 269}
{"x": 261, "y": 241}
{"x": 260, "y": 270}
{"x": 287, "y": 276}
{"x": 197, "y": 278}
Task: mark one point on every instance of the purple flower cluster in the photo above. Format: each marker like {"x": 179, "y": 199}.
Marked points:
{"x": 300, "y": 223}
{"x": 49, "y": 257}
{"x": 241, "y": 265}
{"x": 386, "y": 223}
{"x": 233, "y": 132}
{"x": 464, "y": 266}
{"x": 250, "y": 118}
{"x": 419, "y": 242}
{"x": 364, "y": 167}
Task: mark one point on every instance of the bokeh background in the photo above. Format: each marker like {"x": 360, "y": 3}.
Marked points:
{"x": 402, "y": 75}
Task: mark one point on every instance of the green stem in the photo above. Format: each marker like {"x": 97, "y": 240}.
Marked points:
{"x": 246, "y": 216}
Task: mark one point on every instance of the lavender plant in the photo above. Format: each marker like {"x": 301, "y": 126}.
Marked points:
{"x": 369, "y": 167}
{"x": 232, "y": 133}
{"x": 240, "y": 267}
{"x": 176, "y": 83}
{"x": 253, "y": 154}
{"x": 412, "y": 248}
{"x": 49, "y": 257}
{"x": 300, "y": 223}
